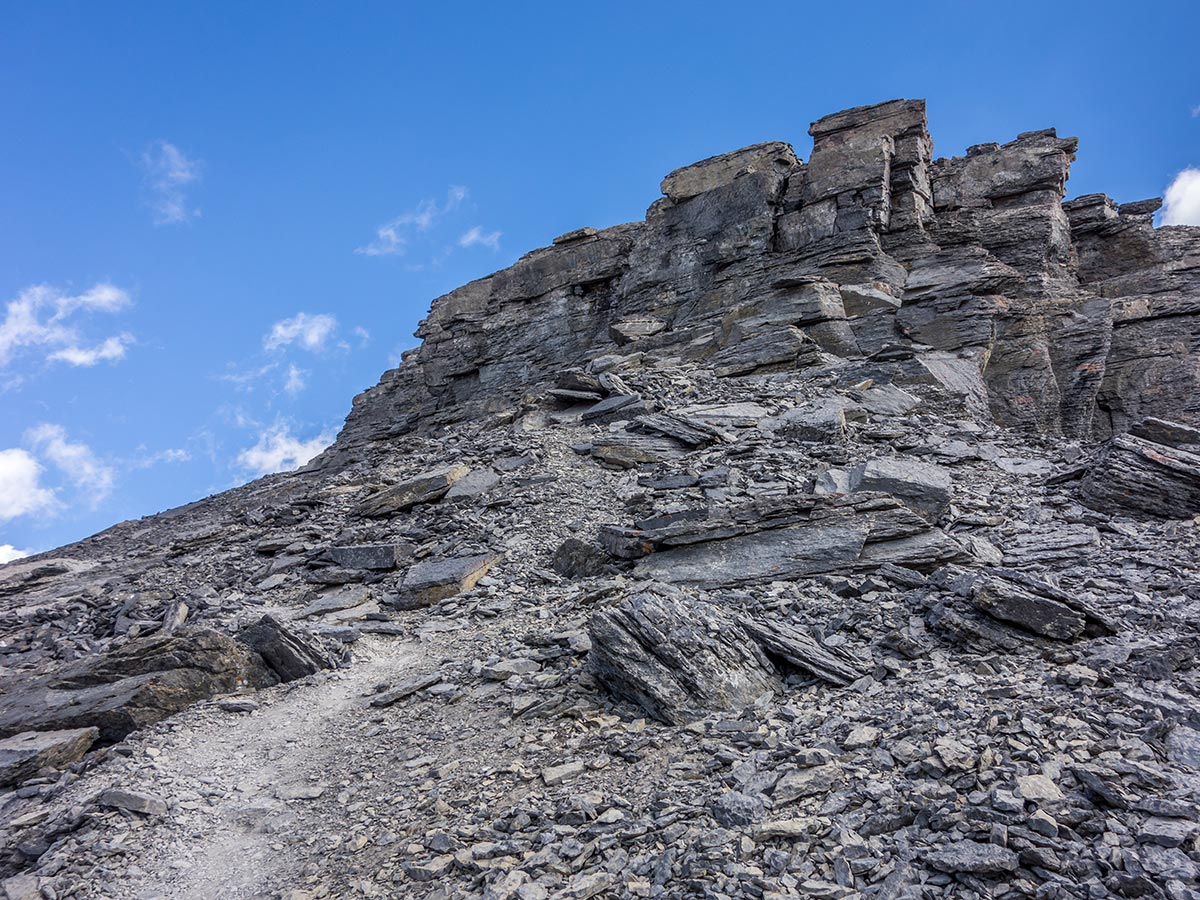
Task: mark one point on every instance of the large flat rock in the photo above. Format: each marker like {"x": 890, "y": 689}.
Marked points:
{"x": 24, "y": 754}
{"x": 140, "y": 683}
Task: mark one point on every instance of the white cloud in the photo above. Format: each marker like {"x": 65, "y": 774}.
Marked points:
{"x": 295, "y": 380}
{"x": 392, "y": 238}
{"x": 9, "y": 553}
{"x": 110, "y": 350}
{"x": 245, "y": 379}
{"x": 1196, "y": 112}
{"x": 43, "y": 317}
{"x": 309, "y": 331}
{"x": 278, "y": 450}
{"x": 1181, "y": 202}
{"x": 477, "y": 235}
{"x": 364, "y": 336}
{"x": 170, "y": 455}
{"x": 168, "y": 174}
{"x": 21, "y": 492}
{"x": 75, "y": 459}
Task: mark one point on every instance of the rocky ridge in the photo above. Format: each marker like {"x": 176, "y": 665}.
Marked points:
{"x": 831, "y": 533}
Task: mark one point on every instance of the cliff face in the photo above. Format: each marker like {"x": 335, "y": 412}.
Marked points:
{"x": 1076, "y": 318}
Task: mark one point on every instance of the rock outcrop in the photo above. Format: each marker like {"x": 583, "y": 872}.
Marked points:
{"x": 1074, "y": 318}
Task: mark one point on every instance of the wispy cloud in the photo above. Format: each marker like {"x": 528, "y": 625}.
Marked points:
{"x": 246, "y": 379}
{"x": 393, "y": 237}
{"x": 44, "y": 318}
{"x": 278, "y": 450}
{"x": 109, "y": 350}
{"x": 75, "y": 460}
{"x": 168, "y": 175}
{"x": 21, "y": 489}
{"x": 1196, "y": 112}
{"x": 476, "y": 236}
{"x": 170, "y": 456}
{"x": 1181, "y": 202}
{"x": 296, "y": 380}
{"x": 311, "y": 332}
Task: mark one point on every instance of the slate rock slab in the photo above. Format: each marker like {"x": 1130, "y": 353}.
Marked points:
{"x": 676, "y": 657}
{"x": 133, "y": 801}
{"x": 141, "y": 682}
{"x": 427, "y": 487}
{"x": 923, "y": 487}
{"x": 1136, "y": 477}
{"x": 364, "y": 556}
{"x": 287, "y": 654}
{"x": 342, "y": 599}
{"x": 24, "y": 754}
{"x": 973, "y": 858}
{"x": 434, "y": 580}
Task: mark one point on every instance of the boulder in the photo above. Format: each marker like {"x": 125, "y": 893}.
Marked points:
{"x": 137, "y": 684}
{"x": 784, "y": 538}
{"x": 475, "y": 484}
{"x": 434, "y": 580}
{"x": 925, "y": 488}
{"x": 676, "y": 657}
{"x": 1019, "y": 606}
{"x": 428, "y": 487}
{"x": 287, "y": 654}
{"x": 24, "y": 754}
{"x": 820, "y": 421}
{"x": 341, "y": 599}
{"x": 577, "y": 559}
{"x": 133, "y": 801}
{"x": 631, "y": 330}
{"x": 1134, "y": 476}
{"x": 380, "y": 557}
{"x": 973, "y": 858}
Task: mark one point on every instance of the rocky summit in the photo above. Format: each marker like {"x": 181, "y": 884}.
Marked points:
{"x": 831, "y": 533}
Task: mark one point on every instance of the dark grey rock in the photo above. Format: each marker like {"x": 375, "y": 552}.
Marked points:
{"x": 364, "y": 556}
{"x": 676, "y": 657}
{"x": 135, "y": 685}
{"x": 24, "y": 754}
{"x": 577, "y": 559}
{"x": 923, "y": 487}
{"x": 133, "y": 801}
{"x": 734, "y": 809}
{"x": 287, "y": 654}
{"x": 973, "y": 858}
{"x": 1135, "y": 477}
{"x": 428, "y": 487}
{"x": 433, "y": 580}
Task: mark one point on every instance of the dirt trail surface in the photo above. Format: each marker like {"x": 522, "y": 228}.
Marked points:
{"x": 246, "y": 790}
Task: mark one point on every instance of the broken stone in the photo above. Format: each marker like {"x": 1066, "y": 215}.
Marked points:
{"x": 287, "y": 654}
{"x": 924, "y": 488}
{"x": 1134, "y": 476}
{"x": 434, "y": 580}
{"x": 140, "y": 683}
{"x": 133, "y": 801}
{"x": 24, "y": 754}
{"x": 558, "y": 774}
{"x": 428, "y": 487}
{"x": 676, "y": 657}
{"x": 973, "y": 858}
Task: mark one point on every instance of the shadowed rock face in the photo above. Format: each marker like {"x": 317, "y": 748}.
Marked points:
{"x": 1077, "y": 318}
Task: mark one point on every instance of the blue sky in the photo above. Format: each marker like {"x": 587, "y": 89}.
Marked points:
{"x": 223, "y": 220}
